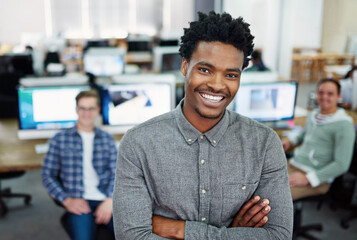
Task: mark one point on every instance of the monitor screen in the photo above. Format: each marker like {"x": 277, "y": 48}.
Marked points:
{"x": 166, "y": 59}
{"x": 169, "y": 42}
{"x": 139, "y": 45}
{"x": 171, "y": 62}
{"x": 135, "y": 99}
{"x": 104, "y": 62}
{"x": 42, "y": 108}
{"x": 17, "y": 63}
{"x": 266, "y": 101}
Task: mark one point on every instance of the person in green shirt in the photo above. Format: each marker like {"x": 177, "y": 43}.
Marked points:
{"x": 326, "y": 145}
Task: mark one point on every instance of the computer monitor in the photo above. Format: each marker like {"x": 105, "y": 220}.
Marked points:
{"x": 169, "y": 42}
{"x": 140, "y": 45}
{"x": 45, "y": 110}
{"x": 104, "y": 62}
{"x": 67, "y": 80}
{"x": 166, "y": 59}
{"x": 97, "y": 43}
{"x": 133, "y": 99}
{"x": 17, "y": 63}
{"x": 265, "y": 102}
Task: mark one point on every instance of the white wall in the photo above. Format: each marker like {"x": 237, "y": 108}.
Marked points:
{"x": 263, "y": 16}
{"x": 279, "y": 26}
{"x": 307, "y": 23}
{"x": 19, "y": 16}
{"x": 339, "y": 22}
{"x": 182, "y": 12}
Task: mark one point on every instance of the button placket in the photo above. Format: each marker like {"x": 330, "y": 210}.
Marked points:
{"x": 204, "y": 145}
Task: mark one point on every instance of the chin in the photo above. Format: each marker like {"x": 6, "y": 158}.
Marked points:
{"x": 209, "y": 115}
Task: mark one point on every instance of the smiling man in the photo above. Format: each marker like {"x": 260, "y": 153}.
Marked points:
{"x": 201, "y": 171}
{"x": 326, "y": 144}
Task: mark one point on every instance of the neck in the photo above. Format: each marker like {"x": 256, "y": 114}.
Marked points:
{"x": 329, "y": 111}
{"x": 202, "y": 124}
{"x": 85, "y": 128}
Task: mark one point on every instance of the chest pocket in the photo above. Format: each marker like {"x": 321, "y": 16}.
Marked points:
{"x": 234, "y": 196}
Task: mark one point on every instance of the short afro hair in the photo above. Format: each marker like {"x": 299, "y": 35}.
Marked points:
{"x": 216, "y": 27}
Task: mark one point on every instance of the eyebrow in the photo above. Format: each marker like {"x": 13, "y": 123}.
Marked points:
{"x": 228, "y": 69}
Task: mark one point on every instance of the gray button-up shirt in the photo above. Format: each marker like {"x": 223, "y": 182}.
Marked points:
{"x": 167, "y": 167}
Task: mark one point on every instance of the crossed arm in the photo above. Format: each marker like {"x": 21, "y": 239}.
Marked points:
{"x": 252, "y": 214}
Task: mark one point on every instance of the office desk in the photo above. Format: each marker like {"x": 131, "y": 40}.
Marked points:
{"x": 15, "y": 154}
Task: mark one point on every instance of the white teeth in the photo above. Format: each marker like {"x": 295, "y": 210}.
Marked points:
{"x": 210, "y": 97}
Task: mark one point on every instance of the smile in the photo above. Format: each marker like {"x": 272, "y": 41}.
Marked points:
{"x": 211, "y": 97}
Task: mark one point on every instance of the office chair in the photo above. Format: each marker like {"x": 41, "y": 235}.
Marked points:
{"x": 299, "y": 229}
{"x": 344, "y": 194}
{"x": 52, "y": 64}
{"x": 6, "y": 193}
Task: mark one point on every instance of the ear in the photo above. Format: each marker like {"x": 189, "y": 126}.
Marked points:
{"x": 184, "y": 66}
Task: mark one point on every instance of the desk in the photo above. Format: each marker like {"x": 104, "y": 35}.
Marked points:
{"x": 16, "y": 154}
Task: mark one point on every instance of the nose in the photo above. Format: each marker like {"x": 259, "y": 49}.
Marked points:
{"x": 216, "y": 82}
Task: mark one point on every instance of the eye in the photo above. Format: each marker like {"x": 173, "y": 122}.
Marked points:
{"x": 231, "y": 75}
{"x": 204, "y": 70}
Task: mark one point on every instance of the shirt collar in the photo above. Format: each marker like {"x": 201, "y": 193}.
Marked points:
{"x": 191, "y": 134}
{"x": 74, "y": 130}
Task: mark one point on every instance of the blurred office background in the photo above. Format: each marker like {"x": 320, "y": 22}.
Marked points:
{"x": 282, "y": 28}
{"x": 300, "y": 40}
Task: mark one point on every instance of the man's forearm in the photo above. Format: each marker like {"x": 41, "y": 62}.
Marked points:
{"x": 168, "y": 228}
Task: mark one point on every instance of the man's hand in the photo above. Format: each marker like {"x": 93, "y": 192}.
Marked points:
{"x": 104, "y": 212}
{"x": 252, "y": 214}
{"x": 168, "y": 228}
{"x": 286, "y": 144}
{"x": 297, "y": 179}
{"x": 77, "y": 206}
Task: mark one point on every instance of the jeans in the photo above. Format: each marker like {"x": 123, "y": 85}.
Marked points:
{"x": 83, "y": 227}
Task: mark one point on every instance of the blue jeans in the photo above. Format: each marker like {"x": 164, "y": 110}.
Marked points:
{"x": 83, "y": 227}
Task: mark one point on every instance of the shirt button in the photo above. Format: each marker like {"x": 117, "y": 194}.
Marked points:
{"x": 203, "y": 219}
{"x": 244, "y": 187}
{"x": 201, "y": 136}
{"x": 202, "y": 161}
{"x": 203, "y": 191}
{"x": 214, "y": 142}
{"x": 189, "y": 139}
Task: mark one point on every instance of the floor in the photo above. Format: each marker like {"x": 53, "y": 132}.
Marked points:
{"x": 40, "y": 220}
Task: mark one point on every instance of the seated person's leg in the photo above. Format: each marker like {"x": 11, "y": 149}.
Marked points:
{"x": 110, "y": 225}
{"x": 306, "y": 191}
{"x": 93, "y": 205}
{"x": 81, "y": 227}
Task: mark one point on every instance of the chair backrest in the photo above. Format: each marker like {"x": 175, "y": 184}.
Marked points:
{"x": 343, "y": 186}
{"x": 353, "y": 166}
